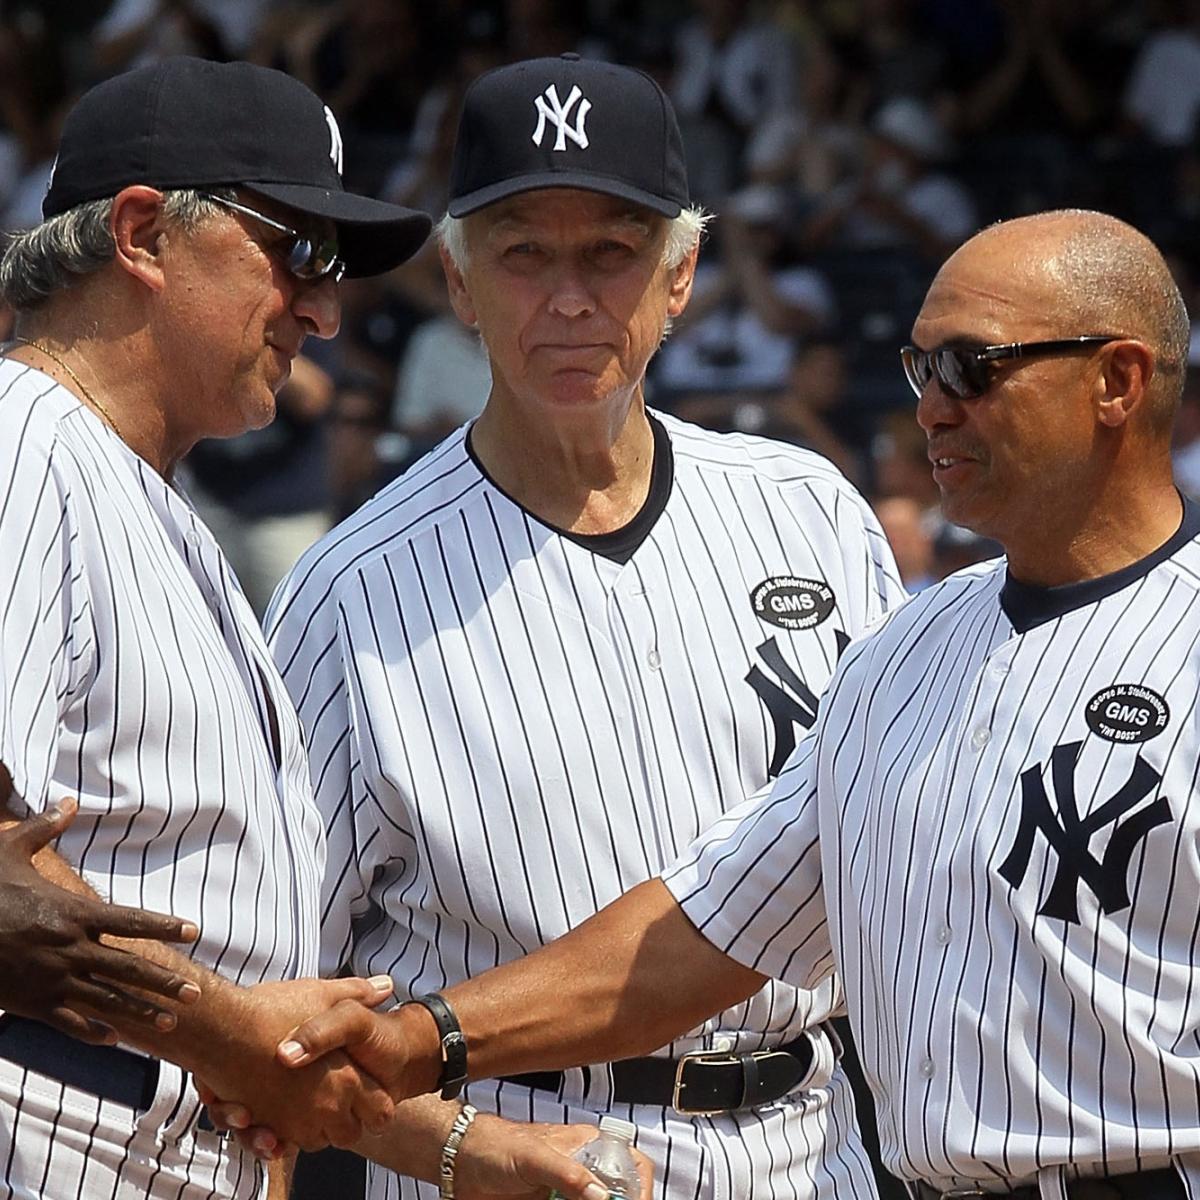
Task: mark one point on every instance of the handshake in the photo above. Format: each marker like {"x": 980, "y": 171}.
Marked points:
{"x": 312, "y": 1065}
{"x": 299, "y": 1064}
{"x": 93, "y": 971}
{"x": 327, "y": 1100}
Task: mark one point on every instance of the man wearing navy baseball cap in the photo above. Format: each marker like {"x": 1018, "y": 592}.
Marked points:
{"x": 195, "y": 232}
{"x": 187, "y": 123}
{"x": 553, "y": 666}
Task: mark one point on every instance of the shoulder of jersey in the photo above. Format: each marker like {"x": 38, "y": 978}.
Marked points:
{"x": 427, "y": 492}
{"x": 31, "y": 406}
{"x": 927, "y": 610}
{"x": 746, "y": 452}
{"x": 929, "y": 606}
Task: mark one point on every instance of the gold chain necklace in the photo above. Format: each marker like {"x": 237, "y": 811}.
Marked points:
{"x": 79, "y": 382}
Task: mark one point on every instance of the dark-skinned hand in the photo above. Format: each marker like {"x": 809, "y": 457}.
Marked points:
{"x": 54, "y": 966}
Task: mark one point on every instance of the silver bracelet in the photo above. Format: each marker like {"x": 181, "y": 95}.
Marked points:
{"x": 454, "y": 1138}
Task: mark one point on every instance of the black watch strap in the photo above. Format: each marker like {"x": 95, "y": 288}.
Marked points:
{"x": 454, "y": 1044}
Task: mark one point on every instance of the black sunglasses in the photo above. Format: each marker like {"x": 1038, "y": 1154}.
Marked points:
{"x": 965, "y": 373}
{"x": 304, "y": 258}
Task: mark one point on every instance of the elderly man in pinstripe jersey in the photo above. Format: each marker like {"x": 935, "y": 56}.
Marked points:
{"x": 575, "y": 634}
{"x": 156, "y": 305}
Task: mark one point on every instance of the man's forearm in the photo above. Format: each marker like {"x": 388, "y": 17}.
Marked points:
{"x": 624, "y": 983}
{"x": 496, "y": 1157}
{"x": 412, "y": 1143}
{"x": 199, "y": 1027}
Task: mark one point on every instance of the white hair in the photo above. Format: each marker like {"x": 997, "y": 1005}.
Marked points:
{"x": 683, "y": 235}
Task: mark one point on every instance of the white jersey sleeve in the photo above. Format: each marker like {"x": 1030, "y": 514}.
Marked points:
{"x": 44, "y": 639}
{"x": 752, "y": 884}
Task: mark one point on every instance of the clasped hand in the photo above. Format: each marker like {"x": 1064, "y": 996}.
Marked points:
{"x": 330, "y": 1102}
{"x": 497, "y": 1157}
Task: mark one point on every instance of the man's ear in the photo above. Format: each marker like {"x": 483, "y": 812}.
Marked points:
{"x": 138, "y": 232}
{"x": 1123, "y": 381}
{"x": 682, "y": 278}
{"x": 460, "y": 297}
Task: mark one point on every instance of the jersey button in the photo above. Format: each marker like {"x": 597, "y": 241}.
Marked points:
{"x": 927, "y": 1068}
{"x": 193, "y": 537}
{"x": 980, "y": 737}
{"x": 654, "y": 660}
{"x": 943, "y": 935}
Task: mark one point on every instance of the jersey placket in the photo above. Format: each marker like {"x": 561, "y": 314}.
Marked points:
{"x": 633, "y": 629}
{"x": 967, "y": 755}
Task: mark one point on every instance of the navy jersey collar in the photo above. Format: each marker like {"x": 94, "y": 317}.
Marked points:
{"x": 620, "y": 544}
{"x": 1027, "y": 606}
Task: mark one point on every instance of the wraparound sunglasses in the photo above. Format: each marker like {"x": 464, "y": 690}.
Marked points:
{"x": 304, "y": 258}
{"x": 965, "y": 372}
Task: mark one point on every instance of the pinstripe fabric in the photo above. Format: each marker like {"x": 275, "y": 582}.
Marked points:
{"x": 1010, "y": 883}
{"x": 134, "y": 678}
{"x": 507, "y": 731}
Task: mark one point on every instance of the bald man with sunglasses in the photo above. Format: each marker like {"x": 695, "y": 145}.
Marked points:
{"x": 991, "y": 829}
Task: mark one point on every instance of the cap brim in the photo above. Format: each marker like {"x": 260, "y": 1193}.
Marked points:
{"x": 373, "y": 236}
{"x": 461, "y": 206}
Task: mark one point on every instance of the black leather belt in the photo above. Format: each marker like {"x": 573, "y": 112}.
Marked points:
{"x": 1163, "y": 1184}
{"x": 105, "y": 1071}
{"x": 704, "y": 1081}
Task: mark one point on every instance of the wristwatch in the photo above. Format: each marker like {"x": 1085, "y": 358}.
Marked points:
{"x": 454, "y": 1044}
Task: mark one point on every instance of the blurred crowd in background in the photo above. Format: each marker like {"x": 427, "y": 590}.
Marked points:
{"x": 845, "y": 146}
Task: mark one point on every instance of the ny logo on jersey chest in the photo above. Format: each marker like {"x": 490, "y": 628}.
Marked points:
{"x": 1069, "y": 835}
{"x": 791, "y": 702}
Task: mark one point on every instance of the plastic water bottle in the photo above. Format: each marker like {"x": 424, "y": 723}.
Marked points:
{"x": 609, "y": 1158}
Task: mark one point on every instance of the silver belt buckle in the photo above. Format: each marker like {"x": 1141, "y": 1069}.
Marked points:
{"x": 698, "y": 1056}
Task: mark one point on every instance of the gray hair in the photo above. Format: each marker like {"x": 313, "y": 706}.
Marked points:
{"x": 35, "y": 263}
{"x": 683, "y": 234}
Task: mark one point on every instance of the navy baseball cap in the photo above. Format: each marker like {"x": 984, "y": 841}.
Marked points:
{"x": 190, "y": 123}
{"x": 567, "y": 122}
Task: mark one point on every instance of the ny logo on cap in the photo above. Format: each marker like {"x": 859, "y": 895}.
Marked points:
{"x": 559, "y": 113}
{"x": 335, "y": 140}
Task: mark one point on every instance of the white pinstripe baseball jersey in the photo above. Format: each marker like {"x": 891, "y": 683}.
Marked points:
{"x": 508, "y": 728}
{"x": 136, "y": 679}
{"x": 1000, "y": 799}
